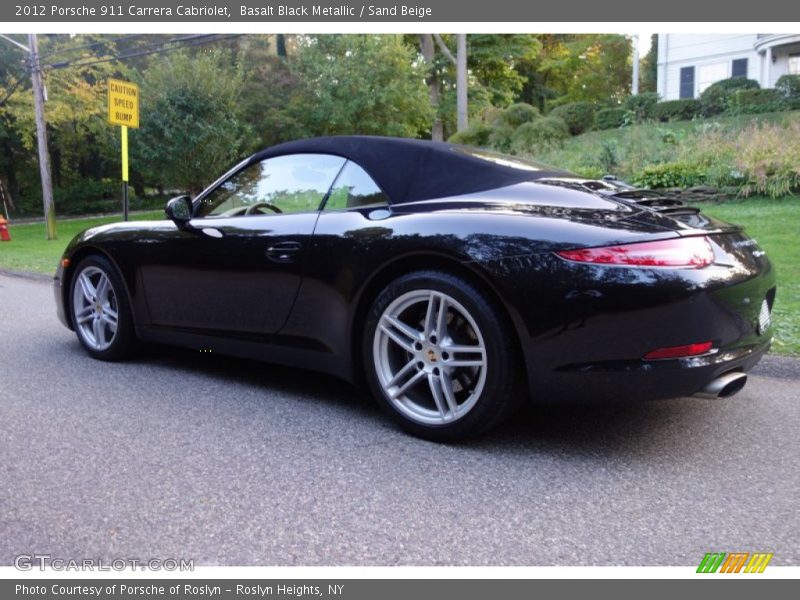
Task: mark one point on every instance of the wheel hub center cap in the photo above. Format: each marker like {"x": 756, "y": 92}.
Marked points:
{"x": 431, "y": 355}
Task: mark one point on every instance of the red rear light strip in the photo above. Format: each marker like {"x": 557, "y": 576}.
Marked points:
{"x": 688, "y": 252}
{"x": 695, "y": 349}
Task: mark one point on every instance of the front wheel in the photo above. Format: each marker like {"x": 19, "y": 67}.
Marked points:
{"x": 440, "y": 356}
{"x": 100, "y": 312}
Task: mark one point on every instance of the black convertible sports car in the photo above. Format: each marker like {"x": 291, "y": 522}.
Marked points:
{"x": 454, "y": 282}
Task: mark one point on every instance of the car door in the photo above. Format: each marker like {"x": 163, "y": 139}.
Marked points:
{"x": 236, "y": 269}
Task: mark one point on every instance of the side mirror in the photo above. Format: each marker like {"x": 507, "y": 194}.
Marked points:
{"x": 179, "y": 210}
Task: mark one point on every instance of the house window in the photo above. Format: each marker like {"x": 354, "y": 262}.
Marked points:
{"x": 739, "y": 67}
{"x": 687, "y": 82}
{"x": 709, "y": 74}
{"x": 794, "y": 64}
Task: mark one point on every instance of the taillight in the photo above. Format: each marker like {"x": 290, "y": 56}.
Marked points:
{"x": 679, "y": 351}
{"x": 688, "y": 252}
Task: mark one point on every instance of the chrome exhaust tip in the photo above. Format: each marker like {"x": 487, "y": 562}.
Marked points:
{"x": 723, "y": 386}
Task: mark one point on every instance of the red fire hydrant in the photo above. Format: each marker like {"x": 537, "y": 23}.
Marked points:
{"x": 4, "y": 235}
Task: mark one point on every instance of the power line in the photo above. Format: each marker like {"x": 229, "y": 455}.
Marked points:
{"x": 184, "y": 42}
{"x": 92, "y": 45}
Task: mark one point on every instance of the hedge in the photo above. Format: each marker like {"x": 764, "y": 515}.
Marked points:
{"x": 748, "y": 102}
{"x": 676, "y": 110}
{"x": 579, "y": 116}
{"x": 610, "y": 118}
{"x": 716, "y": 97}
{"x": 517, "y": 114}
{"x": 665, "y": 175}
{"x": 474, "y": 135}
{"x": 641, "y": 105}
{"x": 539, "y": 134}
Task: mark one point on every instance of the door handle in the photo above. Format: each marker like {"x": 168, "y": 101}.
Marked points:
{"x": 284, "y": 252}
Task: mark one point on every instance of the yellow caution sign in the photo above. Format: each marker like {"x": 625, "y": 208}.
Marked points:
{"x": 123, "y": 103}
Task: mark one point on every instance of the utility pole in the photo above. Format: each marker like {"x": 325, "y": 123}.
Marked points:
{"x": 635, "y": 76}
{"x": 460, "y": 63}
{"x": 461, "y": 81}
{"x": 41, "y": 139}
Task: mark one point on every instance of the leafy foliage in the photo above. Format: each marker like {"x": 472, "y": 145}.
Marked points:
{"x": 748, "y": 102}
{"x": 579, "y": 116}
{"x": 715, "y": 98}
{"x": 536, "y": 136}
{"x": 676, "y": 110}
{"x": 518, "y": 114}
{"x": 641, "y": 106}
{"x": 361, "y": 84}
{"x": 476, "y": 134}
{"x": 667, "y": 175}
{"x": 610, "y": 118}
{"x": 194, "y": 128}
{"x": 789, "y": 87}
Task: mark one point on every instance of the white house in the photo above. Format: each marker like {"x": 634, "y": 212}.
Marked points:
{"x": 688, "y": 63}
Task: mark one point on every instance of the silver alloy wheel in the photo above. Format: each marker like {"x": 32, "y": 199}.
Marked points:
{"x": 430, "y": 357}
{"x": 94, "y": 308}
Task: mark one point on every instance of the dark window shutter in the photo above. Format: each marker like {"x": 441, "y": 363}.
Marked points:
{"x": 739, "y": 68}
{"x": 687, "y": 82}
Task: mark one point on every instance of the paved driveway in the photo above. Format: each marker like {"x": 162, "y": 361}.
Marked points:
{"x": 182, "y": 455}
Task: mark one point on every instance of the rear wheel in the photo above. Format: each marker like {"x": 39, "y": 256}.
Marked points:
{"x": 440, "y": 356}
{"x": 100, "y": 311}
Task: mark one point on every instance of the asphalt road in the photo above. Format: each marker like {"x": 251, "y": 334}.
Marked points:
{"x": 183, "y": 455}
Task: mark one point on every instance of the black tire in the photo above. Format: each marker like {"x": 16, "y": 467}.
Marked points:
{"x": 116, "y": 344}
{"x": 490, "y": 392}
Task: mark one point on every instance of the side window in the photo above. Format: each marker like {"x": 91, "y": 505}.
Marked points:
{"x": 354, "y": 188}
{"x": 283, "y": 184}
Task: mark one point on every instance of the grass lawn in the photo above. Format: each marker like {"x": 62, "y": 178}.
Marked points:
{"x": 776, "y": 226}
{"x": 774, "y": 223}
{"x": 28, "y": 249}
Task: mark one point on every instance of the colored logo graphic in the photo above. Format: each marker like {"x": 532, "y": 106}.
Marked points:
{"x": 734, "y": 562}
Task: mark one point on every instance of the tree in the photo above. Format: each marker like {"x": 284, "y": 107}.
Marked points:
{"x": 359, "y": 84}
{"x": 648, "y": 74}
{"x": 270, "y": 88}
{"x": 192, "y": 126}
{"x": 587, "y": 67}
{"x": 427, "y": 48}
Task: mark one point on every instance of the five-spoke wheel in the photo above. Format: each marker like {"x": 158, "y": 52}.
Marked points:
{"x": 439, "y": 356}
{"x": 100, "y": 312}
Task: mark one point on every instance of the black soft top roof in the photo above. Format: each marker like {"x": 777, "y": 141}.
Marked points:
{"x": 409, "y": 170}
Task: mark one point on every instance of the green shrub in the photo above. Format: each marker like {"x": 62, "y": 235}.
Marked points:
{"x": 517, "y": 114}
{"x": 684, "y": 109}
{"x": 609, "y": 156}
{"x": 610, "y": 118}
{"x": 789, "y": 87}
{"x": 715, "y": 98}
{"x": 748, "y": 102}
{"x": 539, "y": 135}
{"x": 475, "y": 135}
{"x": 641, "y": 105}
{"x": 500, "y": 138}
{"x": 665, "y": 175}
{"x": 89, "y": 196}
{"x": 579, "y": 116}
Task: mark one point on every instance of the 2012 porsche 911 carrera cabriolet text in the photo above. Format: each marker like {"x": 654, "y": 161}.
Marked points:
{"x": 454, "y": 283}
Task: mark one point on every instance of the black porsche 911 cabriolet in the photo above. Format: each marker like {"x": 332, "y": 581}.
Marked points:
{"x": 454, "y": 282}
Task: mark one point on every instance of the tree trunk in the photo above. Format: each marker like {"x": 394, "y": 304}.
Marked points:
{"x": 428, "y": 50}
